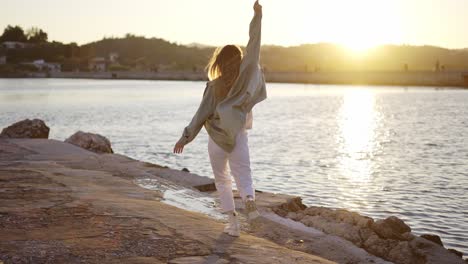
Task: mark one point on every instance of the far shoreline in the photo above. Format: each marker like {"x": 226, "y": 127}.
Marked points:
{"x": 443, "y": 79}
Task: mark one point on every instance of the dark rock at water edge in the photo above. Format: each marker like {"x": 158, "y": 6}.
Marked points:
{"x": 292, "y": 205}
{"x": 185, "y": 169}
{"x": 210, "y": 187}
{"x": 92, "y": 142}
{"x": 434, "y": 238}
{"x": 391, "y": 228}
{"x": 456, "y": 252}
{"x": 35, "y": 128}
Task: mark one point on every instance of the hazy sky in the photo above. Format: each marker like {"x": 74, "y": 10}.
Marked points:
{"x": 356, "y": 23}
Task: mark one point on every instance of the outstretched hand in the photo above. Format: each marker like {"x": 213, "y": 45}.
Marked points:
{"x": 179, "y": 147}
{"x": 257, "y": 7}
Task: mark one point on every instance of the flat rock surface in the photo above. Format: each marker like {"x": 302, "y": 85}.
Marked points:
{"x": 62, "y": 204}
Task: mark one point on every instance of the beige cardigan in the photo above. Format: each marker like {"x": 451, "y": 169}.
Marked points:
{"x": 223, "y": 119}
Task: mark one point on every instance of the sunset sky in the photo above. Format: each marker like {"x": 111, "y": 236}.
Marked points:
{"x": 357, "y": 24}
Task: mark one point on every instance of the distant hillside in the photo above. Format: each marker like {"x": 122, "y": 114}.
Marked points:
{"x": 330, "y": 57}
{"x": 139, "y": 53}
{"x": 143, "y": 52}
{"x": 310, "y": 57}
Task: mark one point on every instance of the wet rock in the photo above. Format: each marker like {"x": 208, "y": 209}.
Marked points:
{"x": 185, "y": 169}
{"x": 391, "y": 228}
{"x": 35, "y": 128}
{"x": 434, "y": 238}
{"x": 92, "y": 142}
{"x": 456, "y": 252}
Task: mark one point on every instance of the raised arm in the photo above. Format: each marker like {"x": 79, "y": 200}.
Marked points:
{"x": 255, "y": 34}
{"x": 205, "y": 109}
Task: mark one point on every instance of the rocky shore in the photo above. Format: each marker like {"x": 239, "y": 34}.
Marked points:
{"x": 77, "y": 202}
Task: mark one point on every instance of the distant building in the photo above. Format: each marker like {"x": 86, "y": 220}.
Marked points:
{"x": 41, "y": 65}
{"x": 15, "y": 45}
{"x": 113, "y": 57}
{"x": 2, "y": 60}
{"x": 98, "y": 64}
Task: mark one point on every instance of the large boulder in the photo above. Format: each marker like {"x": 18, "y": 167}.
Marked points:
{"x": 391, "y": 228}
{"x": 92, "y": 142}
{"x": 35, "y": 128}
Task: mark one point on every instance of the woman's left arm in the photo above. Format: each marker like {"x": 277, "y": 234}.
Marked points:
{"x": 255, "y": 35}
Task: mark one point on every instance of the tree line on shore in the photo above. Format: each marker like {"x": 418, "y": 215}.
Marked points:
{"x": 155, "y": 54}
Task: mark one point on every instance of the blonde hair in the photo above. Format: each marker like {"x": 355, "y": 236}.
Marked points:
{"x": 225, "y": 64}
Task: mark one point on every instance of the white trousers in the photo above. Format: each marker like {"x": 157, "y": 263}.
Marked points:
{"x": 239, "y": 164}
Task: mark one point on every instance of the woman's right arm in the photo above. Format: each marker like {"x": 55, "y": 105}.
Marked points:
{"x": 204, "y": 111}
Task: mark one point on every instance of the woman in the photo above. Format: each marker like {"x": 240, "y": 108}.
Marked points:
{"x": 236, "y": 85}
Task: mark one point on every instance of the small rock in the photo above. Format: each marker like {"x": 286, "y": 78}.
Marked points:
{"x": 456, "y": 252}
{"x": 92, "y": 142}
{"x": 295, "y": 204}
{"x": 434, "y": 238}
{"x": 185, "y": 169}
{"x": 291, "y": 205}
{"x": 35, "y": 128}
{"x": 392, "y": 228}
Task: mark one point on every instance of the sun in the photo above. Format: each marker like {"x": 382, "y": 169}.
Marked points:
{"x": 359, "y": 46}
{"x": 360, "y": 25}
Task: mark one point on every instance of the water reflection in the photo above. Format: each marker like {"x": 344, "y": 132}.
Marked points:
{"x": 358, "y": 120}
